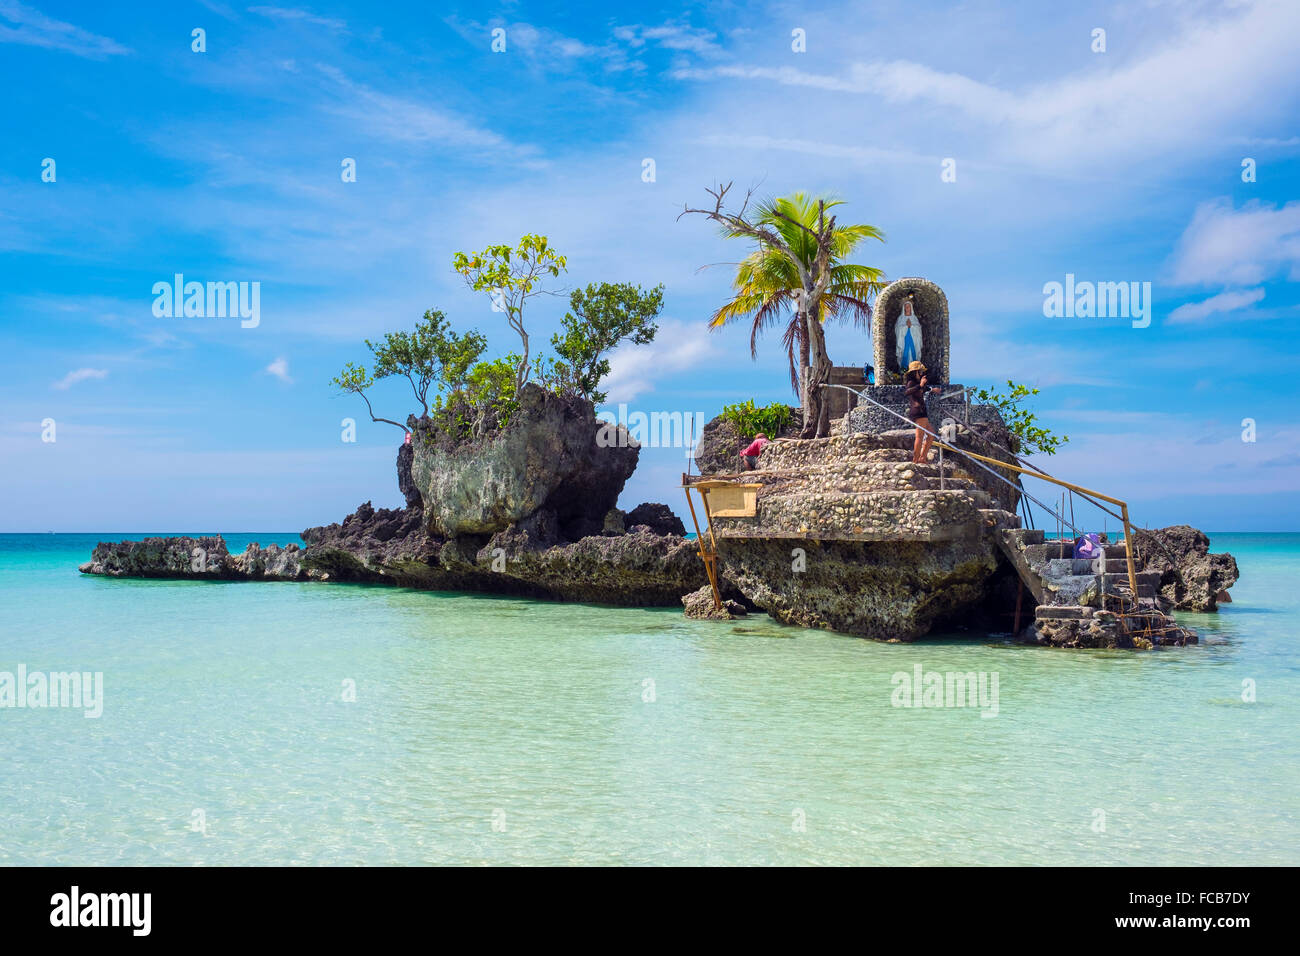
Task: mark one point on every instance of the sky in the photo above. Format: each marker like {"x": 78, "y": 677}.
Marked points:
{"x": 999, "y": 147}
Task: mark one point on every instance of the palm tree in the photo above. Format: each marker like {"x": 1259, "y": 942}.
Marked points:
{"x": 768, "y": 284}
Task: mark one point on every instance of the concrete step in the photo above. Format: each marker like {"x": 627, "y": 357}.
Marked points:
{"x": 1003, "y": 520}
{"x": 1048, "y": 551}
{"x": 1143, "y": 577}
{"x": 1061, "y": 612}
{"x": 1086, "y": 566}
{"x": 1024, "y": 536}
{"x": 1063, "y": 566}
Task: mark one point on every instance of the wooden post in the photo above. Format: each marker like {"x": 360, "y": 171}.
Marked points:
{"x": 710, "y": 568}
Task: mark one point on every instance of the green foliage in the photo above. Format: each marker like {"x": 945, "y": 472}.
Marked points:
{"x": 1022, "y": 422}
{"x": 467, "y": 396}
{"x": 491, "y": 386}
{"x": 483, "y": 403}
{"x": 602, "y": 316}
{"x": 511, "y": 275}
{"x": 431, "y": 356}
{"x": 749, "y": 419}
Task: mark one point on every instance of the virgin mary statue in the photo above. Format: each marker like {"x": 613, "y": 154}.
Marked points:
{"x": 907, "y": 336}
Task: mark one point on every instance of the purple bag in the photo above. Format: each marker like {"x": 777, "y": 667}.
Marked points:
{"x": 1087, "y": 545}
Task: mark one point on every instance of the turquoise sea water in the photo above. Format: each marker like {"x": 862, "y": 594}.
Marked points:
{"x": 490, "y": 730}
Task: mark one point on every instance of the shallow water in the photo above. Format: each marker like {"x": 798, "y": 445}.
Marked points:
{"x": 491, "y": 730}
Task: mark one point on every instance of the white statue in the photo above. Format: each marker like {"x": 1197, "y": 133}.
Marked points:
{"x": 907, "y": 336}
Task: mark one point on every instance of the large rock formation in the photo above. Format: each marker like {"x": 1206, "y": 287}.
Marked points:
{"x": 546, "y": 458}
{"x": 848, "y": 534}
{"x": 527, "y": 511}
{"x": 1191, "y": 579}
{"x": 895, "y": 591}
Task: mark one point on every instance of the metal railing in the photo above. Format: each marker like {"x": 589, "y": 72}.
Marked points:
{"x": 979, "y": 459}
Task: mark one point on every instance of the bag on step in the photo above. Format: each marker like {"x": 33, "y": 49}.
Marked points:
{"x": 1087, "y": 545}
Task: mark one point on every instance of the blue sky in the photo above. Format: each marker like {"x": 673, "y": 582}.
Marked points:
{"x": 1122, "y": 165}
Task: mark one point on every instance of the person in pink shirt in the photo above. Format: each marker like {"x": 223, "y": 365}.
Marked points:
{"x": 750, "y": 455}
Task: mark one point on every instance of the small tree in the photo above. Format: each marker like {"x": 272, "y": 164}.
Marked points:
{"x": 809, "y": 247}
{"x": 1020, "y": 421}
{"x": 511, "y": 276}
{"x": 430, "y": 356}
{"x": 602, "y": 316}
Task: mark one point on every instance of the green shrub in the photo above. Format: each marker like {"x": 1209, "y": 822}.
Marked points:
{"x": 484, "y": 402}
{"x": 749, "y": 419}
{"x": 1021, "y": 422}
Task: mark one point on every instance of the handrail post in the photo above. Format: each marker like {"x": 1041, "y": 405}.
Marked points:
{"x": 1129, "y": 547}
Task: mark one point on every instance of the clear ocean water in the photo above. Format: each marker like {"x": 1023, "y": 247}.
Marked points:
{"x": 489, "y": 730}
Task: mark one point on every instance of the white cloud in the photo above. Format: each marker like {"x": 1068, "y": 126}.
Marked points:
{"x": 405, "y": 120}
{"x": 33, "y": 28}
{"x": 1212, "y": 77}
{"x": 863, "y": 155}
{"x": 80, "y": 375}
{"x": 1223, "y": 302}
{"x": 304, "y": 16}
{"x": 677, "y": 347}
{"x": 671, "y": 36}
{"x": 1242, "y": 246}
{"x": 280, "y": 369}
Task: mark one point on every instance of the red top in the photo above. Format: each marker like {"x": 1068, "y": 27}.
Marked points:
{"x": 755, "y": 447}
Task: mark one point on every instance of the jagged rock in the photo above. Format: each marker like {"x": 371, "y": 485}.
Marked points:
{"x": 634, "y": 569}
{"x": 699, "y": 605}
{"x": 371, "y": 542}
{"x": 546, "y": 457}
{"x": 614, "y": 522}
{"x": 186, "y": 557}
{"x": 273, "y": 562}
{"x": 718, "y": 450}
{"x": 894, "y": 591}
{"x": 405, "y": 483}
{"x": 1091, "y": 628}
{"x": 1191, "y": 578}
{"x": 659, "y": 518}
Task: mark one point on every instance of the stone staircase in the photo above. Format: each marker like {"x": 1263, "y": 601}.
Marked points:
{"x": 1088, "y": 602}
{"x": 1055, "y": 577}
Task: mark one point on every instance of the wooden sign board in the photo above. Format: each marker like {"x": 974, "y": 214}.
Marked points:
{"x": 731, "y": 500}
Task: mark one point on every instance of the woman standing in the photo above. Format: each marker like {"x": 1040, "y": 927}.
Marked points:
{"x": 915, "y": 385}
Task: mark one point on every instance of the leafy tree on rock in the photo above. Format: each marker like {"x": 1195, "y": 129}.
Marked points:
{"x": 602, "y": 315}
{"x": 430, "y": 356}
{"x": 809, "y": 247}
{"x": 512, "y": 276}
